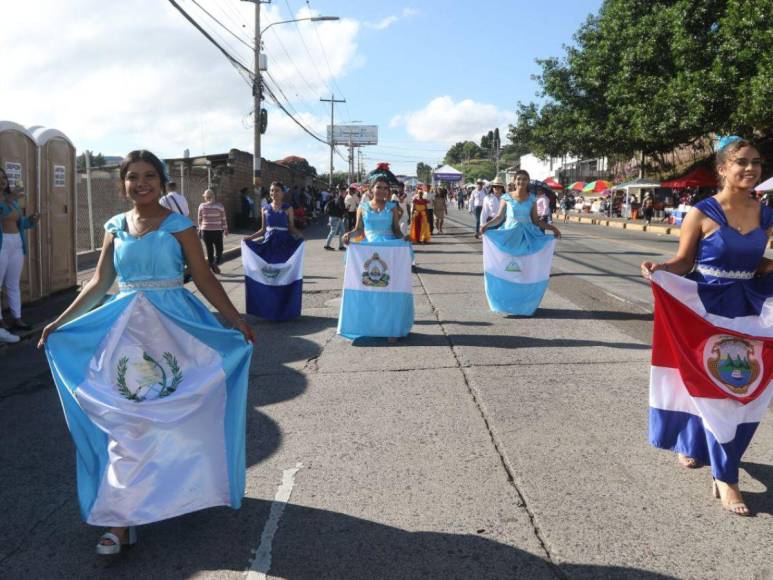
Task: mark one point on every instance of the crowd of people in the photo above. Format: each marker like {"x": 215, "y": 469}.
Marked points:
{"x": 131, "y": 353}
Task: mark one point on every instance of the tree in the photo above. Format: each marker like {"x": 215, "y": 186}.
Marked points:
{"x": 645, "y": 77}
{"x": 423, "y": 172}
{"x": 99, "y": 160}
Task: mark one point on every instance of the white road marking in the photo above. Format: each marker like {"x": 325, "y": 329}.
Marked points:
{"x": 261, "y": 564}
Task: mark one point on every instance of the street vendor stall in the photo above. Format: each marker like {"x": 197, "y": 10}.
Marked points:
{"x": 446, "y": 173}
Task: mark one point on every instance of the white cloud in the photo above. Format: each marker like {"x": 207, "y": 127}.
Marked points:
{"x": 115, "y": 76}
{"x": 446, "y": 121}
{"x": 388, "y": 21}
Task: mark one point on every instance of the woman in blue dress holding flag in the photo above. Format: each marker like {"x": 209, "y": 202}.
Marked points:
{"x": 377, "y": 298}
{"x": 517, "y": 257}
{"x": 273, "y": 267}
{"x": 152, "y": 385}
{"x": 712, "y": 347}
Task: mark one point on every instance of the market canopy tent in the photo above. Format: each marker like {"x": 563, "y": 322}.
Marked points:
{"x": 447, "y": 173}
{"x": 553, "y": 184}
{"x": 700, "y": 177}
{"x": 641, "y": 183}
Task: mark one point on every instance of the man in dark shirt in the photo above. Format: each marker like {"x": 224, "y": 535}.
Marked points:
{"x": 336, "y": 211}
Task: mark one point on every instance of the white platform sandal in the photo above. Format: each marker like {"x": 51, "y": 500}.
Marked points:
{"x": 115, "y": 547}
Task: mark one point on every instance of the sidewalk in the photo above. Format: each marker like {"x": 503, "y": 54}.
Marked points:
{"x": 39, "y": 313}
{"x": 655, "y": 227}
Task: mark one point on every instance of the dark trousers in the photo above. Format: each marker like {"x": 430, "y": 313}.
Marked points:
{"x": 478, "y": 211}
{"x": 351, "y": 220}
{"x": 431, "y": 220}
{"x": 213, "y": 241}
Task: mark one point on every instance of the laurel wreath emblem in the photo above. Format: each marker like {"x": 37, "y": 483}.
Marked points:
{"x": 165, "y": 387}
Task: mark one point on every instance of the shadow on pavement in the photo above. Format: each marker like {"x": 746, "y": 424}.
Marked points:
{"x": 559, "y": 314}
{"x": 761, "y": 502}
{"x": 310, "y": 543}
{"x": 495, "y": 341}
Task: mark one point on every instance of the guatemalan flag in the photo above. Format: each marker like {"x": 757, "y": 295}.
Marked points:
{"x": 154, "y": 392}
{"x": 516, "y": 275}
{"x": 378, "y": 297}
{"x": 274, "y": 278}
{"x": 710, "y": 376}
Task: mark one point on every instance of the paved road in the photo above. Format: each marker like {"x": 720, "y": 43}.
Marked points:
{"x": 482, "y": 446}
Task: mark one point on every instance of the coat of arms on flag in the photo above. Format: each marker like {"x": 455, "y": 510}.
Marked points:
{"x": 734, "y": 363}
{"x": 375, "y": 273}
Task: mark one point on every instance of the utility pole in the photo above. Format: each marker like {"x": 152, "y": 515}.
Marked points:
{"x": 332, "y": 100}
{"x": 257, "y": 95}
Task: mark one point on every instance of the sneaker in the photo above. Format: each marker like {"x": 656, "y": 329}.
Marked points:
{"x": 215, "y": 269}
{"x": 327, "y": 247}
{"x": 6, "y": 336}
{"x": 341, "y": 248}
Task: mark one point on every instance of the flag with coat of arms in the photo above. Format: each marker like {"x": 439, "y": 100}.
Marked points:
{"x": 710, "y": 377}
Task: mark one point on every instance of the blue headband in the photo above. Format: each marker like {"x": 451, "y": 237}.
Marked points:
{"x": 723, "y": 142}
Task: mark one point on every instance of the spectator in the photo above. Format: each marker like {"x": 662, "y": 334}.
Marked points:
{"x": 174, "y": 201}
{"x": 212, "y": 227}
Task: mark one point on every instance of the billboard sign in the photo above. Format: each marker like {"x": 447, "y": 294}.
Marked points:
{"x": 354, "y": 135}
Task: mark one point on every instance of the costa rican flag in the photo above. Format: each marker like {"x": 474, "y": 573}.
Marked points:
{"x": 710, "y": 376}
{"x": 273, "y": 276}
{"x": 515, "y": 283}
{"x": 378, "y": 297}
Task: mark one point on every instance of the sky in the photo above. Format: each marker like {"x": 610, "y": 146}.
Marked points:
{"x": 116, "y": 76}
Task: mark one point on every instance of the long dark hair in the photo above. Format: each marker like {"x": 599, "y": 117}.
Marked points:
{"x": 147, "y": 157}
{"x": 7, "y": 190}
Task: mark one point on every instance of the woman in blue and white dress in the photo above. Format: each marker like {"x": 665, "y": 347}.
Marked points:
{"x": 517, "y": 257}
{"x": 152, "y": 385}
{"x": 722, "y": 252}
{"x": 277, "y": 249}
{"x": 378, "y": 297}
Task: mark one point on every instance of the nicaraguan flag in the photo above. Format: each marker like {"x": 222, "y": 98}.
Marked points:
{"x": 156, "y": 410}
{"x": 710, "y": 376}
{"x": 378, "y": 297}
{"x": 516, "y": 282}
{"x": 274, "y": 278}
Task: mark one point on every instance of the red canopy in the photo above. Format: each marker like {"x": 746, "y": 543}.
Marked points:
{"x": 553, "y": 184}
{"x": 700, "y": 177}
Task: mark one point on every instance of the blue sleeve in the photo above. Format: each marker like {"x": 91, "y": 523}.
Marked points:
{"x": 26, "y": 223}
{"x": 115, "y": 223}
{"x": 766, "y": 217}
{"x": 177, "y": 222}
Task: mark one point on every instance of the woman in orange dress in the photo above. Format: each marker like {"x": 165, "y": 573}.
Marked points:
{"x": 419, "y": 224}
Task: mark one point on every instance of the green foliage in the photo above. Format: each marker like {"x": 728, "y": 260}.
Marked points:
{"x": 423, "y": 172}
{"x": 646, "y": 76}
{"x": 477, "y": 168}
{"x": 462, "y": 151}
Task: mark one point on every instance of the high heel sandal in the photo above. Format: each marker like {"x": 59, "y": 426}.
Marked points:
{"x": 738, "y": 508}
{"x": 687, "y": 461}
{"x": 117, "y": 544}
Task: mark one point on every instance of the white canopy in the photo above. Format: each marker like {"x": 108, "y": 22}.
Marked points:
{"x": 766, "y": 185}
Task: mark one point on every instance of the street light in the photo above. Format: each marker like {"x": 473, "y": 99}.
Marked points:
{"x": 310, "y": 18}
{"x": 257, "y": 89}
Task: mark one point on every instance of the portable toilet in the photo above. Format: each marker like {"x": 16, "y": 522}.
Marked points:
{"x": 56, "y": 176}
{"x": 18, "y": 157}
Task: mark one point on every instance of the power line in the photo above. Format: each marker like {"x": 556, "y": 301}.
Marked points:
{"x": 243, "y": 70}
{"x": 208, "y": 13}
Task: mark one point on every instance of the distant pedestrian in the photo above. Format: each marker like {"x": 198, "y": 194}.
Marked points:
{"x": 335, "y": 209}
{"x": 460, "y": 199}
{"x": 440, "y": 207}
{"x": 352, "y": 201}
{"x": 565, "y": 205}
{"x": 174, "y": 201}
{"x": 13, "y": 248}
{"x": 248, "y": 208}
{"x": 491, "y": 201}
{"x": 476, "y": 204}
{"x": 213, "y": 225}
{"x": 543, "y": 207}
{"x": 430, "y": 197}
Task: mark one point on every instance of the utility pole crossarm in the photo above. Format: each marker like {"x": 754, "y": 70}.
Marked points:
{"x": 332, "y": 100}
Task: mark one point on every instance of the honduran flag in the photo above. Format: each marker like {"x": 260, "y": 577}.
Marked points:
{"x": 377, "y": 297}
{"x": 516, "y": 281}
{"x": 273, "y": 276}
{"x": 710, "y": 376}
